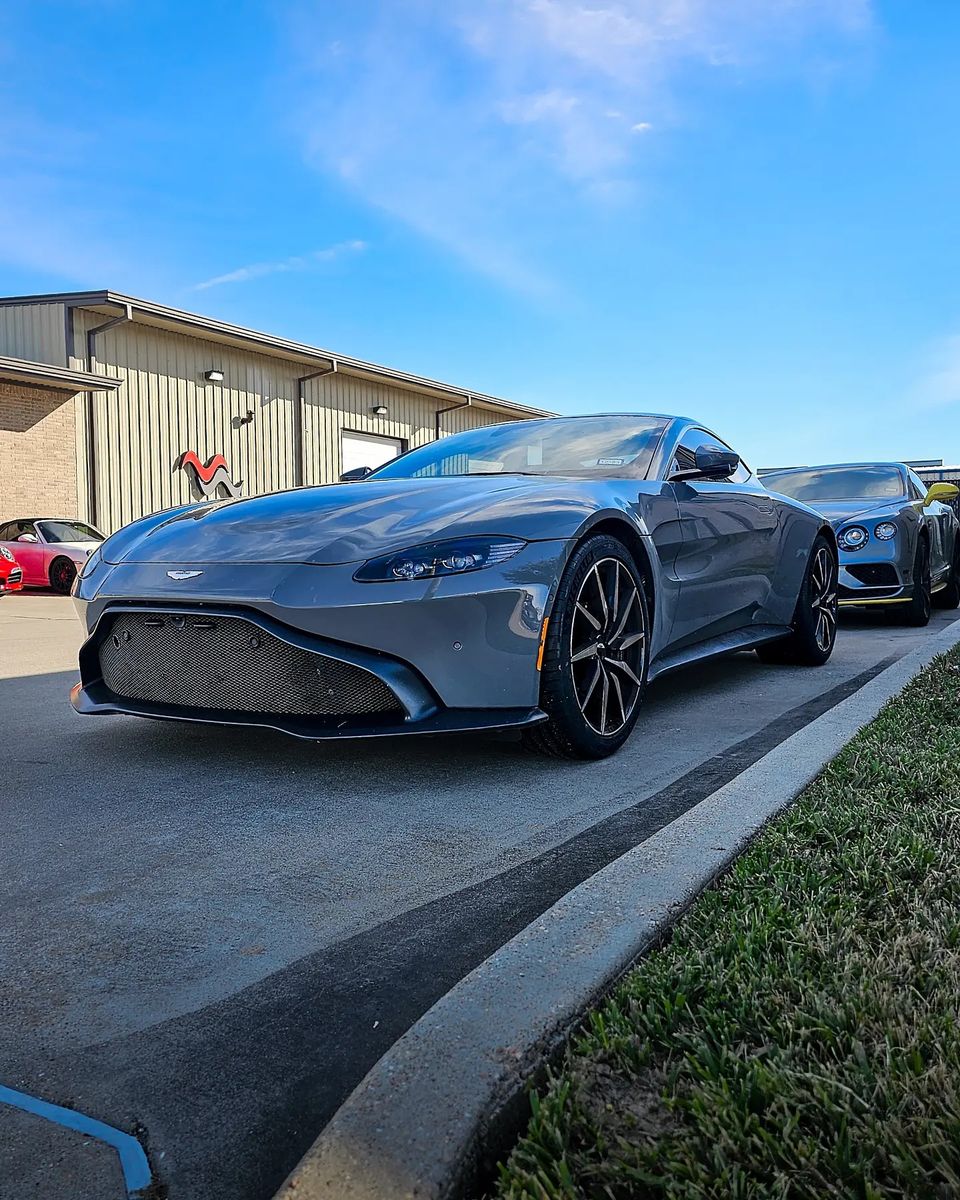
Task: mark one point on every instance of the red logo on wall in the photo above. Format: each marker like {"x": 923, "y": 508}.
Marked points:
{"x": 209, "y": 476}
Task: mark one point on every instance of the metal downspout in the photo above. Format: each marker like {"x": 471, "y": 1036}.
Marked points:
{"x": 453, "y": 408}
{"x": 127, "y": 315}
{"x": 298, "y": 418}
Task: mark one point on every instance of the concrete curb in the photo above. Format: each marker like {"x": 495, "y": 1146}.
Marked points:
{"x": 417, "y": 1124}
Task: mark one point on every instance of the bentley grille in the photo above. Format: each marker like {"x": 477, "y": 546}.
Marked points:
{"x": 233, "y": 665}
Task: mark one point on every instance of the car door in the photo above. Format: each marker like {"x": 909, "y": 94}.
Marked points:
{"x": 939, "y": 520}
{"x": 729, "y": 550}
{"x": 30, "y": 555}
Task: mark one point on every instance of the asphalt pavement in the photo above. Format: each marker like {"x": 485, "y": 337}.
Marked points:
{"x": 209, "y": 935}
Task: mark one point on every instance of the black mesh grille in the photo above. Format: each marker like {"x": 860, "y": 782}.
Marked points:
{"x": 874, "y": 574}
{"x": 233, "y": 665}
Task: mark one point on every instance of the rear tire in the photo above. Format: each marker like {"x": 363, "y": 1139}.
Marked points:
{"x": 950, "y": 596}
{"x": 814, "y": 622}
{"x": 62, "y": 573}
{"x": 917, "y": 612}
{"x": 594, "y": 671}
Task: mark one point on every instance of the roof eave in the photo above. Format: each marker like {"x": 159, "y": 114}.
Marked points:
{"x": 23, "y": 370}
{"x": 162, "y": 315}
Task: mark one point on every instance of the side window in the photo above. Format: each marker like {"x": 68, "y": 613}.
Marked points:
{"x": 916, "y": 486}
{"x": 5, "y": 533}
{"x": 684, "y": 457}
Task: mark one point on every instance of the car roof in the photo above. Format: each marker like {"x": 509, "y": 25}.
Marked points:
{"x": 832, "y": 467}
{"x": 589, "y": 416}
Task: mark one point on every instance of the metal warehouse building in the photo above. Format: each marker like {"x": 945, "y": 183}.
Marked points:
{"x": 113, "y": 407}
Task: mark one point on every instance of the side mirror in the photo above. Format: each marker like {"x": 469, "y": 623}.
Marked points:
{"x": 944, "y": 492}
{"x": 713, "y": 462}
{"x": 716, "y": 460}
{"x": 356, "y": 474}
{"x": 29, "y": 537}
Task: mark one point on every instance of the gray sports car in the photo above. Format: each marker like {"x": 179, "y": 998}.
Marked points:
{"x": 898, "y": 538}
{"x": 536, "y": 574}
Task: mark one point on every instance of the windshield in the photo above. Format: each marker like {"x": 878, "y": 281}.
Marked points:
{"x": 579, "y": 447}
{"x": 68, "y": 531}
{"x": 838, "y": 483}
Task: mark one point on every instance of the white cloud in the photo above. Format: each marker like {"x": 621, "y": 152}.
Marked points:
{"x": 297, "y": 262}
{"x": 467, "y": 121}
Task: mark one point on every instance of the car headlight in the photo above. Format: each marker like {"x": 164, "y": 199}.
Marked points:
{"x": 885, "y": 531}
{"x": 453, "y": 557}
{"x": 853, "y": 538}
{"x": 5, "y": 553}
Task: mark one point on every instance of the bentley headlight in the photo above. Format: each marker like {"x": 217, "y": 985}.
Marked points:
{"x": 454, "y": 557}
{"x": 852, "y": 538}
{"x": 885, "y": 531}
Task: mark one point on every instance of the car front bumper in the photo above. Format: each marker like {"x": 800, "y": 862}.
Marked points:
{"x": 459, "y": 653}
{"x": 873, "y": 576}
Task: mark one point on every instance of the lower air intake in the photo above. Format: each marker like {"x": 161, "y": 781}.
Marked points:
{"x": 233, "y": 665}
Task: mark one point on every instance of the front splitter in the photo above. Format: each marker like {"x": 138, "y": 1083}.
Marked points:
{"x": 98, "y": 700}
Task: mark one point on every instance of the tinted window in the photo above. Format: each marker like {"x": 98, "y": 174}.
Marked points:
{"x": 16, "y": 528}
{"x": 918, "y": 489}
{"x": 838, "y": 483}
{"x": 580, "y": 447}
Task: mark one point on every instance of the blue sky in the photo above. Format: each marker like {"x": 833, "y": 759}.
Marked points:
{"x": 743, "y": 210}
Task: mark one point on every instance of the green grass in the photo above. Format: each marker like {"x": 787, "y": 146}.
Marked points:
{"x": 799, "y": 1035}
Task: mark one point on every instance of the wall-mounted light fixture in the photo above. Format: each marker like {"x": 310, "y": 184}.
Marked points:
{"x": 245, "y": 420}
{"x": 214, "y": 376}
{"x": 380, "y": 410}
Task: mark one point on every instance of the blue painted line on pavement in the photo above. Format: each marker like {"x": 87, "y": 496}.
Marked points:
{"x": 133, "y": 1161}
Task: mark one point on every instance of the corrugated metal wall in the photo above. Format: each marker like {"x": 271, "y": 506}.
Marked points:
{"x": 34, "y": 331}
{"x": 166, "y": 407}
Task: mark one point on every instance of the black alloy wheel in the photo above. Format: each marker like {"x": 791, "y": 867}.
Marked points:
{"x": 815, "y": 617}
{"x": 917, "y": 612}
{"x": 63, "y": 572}
{"x": 595, "y": 658}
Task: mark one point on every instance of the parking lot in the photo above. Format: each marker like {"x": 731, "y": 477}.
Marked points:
{"x": 210, "y": 935}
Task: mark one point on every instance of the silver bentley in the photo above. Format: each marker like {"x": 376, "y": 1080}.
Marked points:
{"x": 898, "y": 537}
{"x": 535, "y": 575}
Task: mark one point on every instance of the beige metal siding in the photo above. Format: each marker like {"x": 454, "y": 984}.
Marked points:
{"x": 165, "y": 407}
{"x": 34, "y": 331}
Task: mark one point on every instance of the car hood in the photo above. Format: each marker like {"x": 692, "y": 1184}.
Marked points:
{"x": 838, "y": 512}
{"x": 351, "y": 522}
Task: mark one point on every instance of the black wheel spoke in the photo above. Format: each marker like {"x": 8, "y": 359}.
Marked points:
{"x": 608, "y": 646}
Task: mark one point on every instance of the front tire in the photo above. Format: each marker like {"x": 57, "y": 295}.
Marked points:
{"x": 815, "y": 617}
{"x": 917, "y": 612}
{"x": 594, "y": 671}
{"x": 62, "y": 573}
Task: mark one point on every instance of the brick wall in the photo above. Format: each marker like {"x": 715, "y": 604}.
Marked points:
{"x": 38, "y": 452}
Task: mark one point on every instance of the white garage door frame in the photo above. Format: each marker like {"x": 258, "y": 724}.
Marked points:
{"x": 367, "y": 449}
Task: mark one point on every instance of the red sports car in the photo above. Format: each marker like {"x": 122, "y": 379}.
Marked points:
{"x": 49, "y": 551}
{"x": 11, "y": 575}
